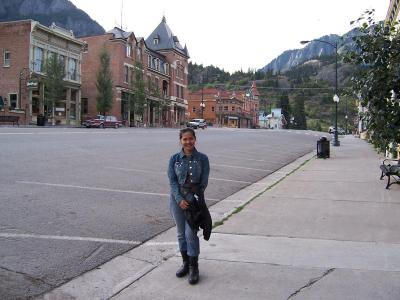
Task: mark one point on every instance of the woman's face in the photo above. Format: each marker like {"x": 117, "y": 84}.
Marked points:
{"x": 188, "y": 142}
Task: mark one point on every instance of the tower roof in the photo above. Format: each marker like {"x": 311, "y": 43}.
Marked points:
{"x": 162, "y": 38}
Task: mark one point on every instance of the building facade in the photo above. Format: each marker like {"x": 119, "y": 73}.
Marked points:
{"x": 163, "y": 63}
{"x": 222, "y": 108}
{"x": 25, "y": 46}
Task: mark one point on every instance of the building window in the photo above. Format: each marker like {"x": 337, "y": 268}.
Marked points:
{"x": 126, "y": 74}
{"x": 194, "y": 109}
{"x": 233, "y": 108}
{"x": 62, "y": 59}
{"x": 212, "y": 108}
{"x": 13, "y": 101}
{"x": 138, "y": 54}
{"x": 72, "y": 68}
{"x": 128, "y": 50}
{"x": 156, "y": 40}
{"x": 6, "y": 58}
{"x": 84, "y": 106}
{"x": 182, "y": 92}
{"x": 166, "y": 67}
{"x": 38, "y": 59}
{"x": 219, "y": 108}
{"x": 149, "y": 61}
{"x": 177, "y": 91}
{"x": 226, "y": 108}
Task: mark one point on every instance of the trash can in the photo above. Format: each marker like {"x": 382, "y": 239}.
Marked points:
{"x": 323, "y": 148}
{"x": 40, "y": 120}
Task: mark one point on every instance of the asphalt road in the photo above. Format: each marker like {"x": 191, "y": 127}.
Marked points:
{"x": 72, "y": 199}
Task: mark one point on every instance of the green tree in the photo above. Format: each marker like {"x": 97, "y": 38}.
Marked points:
{"x": 104, "y": 84}
{"x": 285, "y": 106}
{"x": 53, "y": 83}
{"x": 138, "y": 99}
{"x": 299, "y": 113}
{"x": 377, "y": 81}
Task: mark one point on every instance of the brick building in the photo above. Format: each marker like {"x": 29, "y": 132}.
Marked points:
{"x": 164, "y": 66}
{"x": 223, "y": 108}
{"x": 25, "y": 45}
{"x": 206, "y": 111}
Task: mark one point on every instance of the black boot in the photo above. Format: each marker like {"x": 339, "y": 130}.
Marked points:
{"x": 184, "y": 269}
{"x": 193, "y": 269}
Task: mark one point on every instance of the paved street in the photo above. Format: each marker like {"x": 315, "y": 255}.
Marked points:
{"x": 72, "y": 199}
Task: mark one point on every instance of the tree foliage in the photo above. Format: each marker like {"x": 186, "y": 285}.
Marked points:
{"x": 299, "y": 114}
{"x": 53, "y": 82}
{"x": 377, "y": 81}
{"x": 104, "y": 84}
{"x": 138, "y": 99}
{"x": 285, "y": 106}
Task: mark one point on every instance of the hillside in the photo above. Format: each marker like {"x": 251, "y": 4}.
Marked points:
{"x": 62, "y": 12}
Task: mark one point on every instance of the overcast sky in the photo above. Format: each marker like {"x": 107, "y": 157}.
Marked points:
{"x": 234, "y": 34}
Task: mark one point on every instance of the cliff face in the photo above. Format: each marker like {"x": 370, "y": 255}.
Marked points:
{"x": 62, "y": 12}
{"x": 314, "y": 49}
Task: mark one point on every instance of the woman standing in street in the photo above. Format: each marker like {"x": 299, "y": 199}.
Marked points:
{"x": 188, "y": 173}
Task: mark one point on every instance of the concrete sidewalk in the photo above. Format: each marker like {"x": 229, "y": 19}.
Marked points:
{"x": 327, "y": 230}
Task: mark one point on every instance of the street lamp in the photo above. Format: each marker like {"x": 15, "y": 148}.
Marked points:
{"x": 21, "y": 74}
{"x": 335, "y": 97}
{"x": 202, "y": 104}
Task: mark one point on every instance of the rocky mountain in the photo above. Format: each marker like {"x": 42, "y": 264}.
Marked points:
{"x": 292, "y": 58}
{"x": 63, "y": 12}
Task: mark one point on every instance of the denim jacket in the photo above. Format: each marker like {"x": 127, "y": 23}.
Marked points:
{"x": 196, "y": 166}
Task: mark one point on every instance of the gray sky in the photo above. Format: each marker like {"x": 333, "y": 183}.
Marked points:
{"x": 234, "y": 34}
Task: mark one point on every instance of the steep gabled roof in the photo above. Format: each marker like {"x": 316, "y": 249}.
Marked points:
{"x": 162, "y": 38}
{"x": 118, "y": 33}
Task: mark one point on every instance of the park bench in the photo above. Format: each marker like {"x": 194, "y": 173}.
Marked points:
{"x": 391, "y": 169}
{"x": 9, "y": 119}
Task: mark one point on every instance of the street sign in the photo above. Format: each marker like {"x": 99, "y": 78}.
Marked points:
{"x": 32, "y": 84}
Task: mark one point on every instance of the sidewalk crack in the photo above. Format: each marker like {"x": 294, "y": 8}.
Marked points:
{"x": 311, "y": 282}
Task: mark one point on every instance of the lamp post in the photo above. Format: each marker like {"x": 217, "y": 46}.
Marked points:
{"x": 335, "y": 97}
{"x": 21, "y": 74}
{"x": 202, "y": 104}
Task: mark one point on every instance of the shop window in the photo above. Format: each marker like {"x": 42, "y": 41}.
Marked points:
{"x": 13, "y": 100}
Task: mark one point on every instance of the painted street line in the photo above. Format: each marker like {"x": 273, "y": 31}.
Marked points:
{"x": 159, "y": 172}
{"x": 91, "y": 188}
{"x": 67, "y": 238}
{"x": 83, "y": 239}
{"x": 239, "y": 167}
{"x": 100, "y": 189}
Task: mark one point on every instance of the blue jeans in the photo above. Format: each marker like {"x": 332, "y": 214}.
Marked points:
{"x": 187, "y": 237}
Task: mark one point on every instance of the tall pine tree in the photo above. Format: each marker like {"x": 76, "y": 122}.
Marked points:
{"x": 299, "y": 113}
{"x": 285, "y": 106}
{"x": 104, "y": 84}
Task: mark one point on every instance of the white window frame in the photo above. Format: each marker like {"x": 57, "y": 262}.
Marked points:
{"x": 6, "y": 58}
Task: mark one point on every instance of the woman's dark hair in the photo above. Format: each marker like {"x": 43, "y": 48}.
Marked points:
{"x": 184, "y": 130}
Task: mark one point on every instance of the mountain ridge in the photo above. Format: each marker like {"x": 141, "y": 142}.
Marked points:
{"x": 62, "y": 12}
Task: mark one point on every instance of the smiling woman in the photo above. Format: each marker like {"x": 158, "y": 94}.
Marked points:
{"x": 188, "y": 173}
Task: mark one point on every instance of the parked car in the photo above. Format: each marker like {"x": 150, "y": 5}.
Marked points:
{"x": 332, "y": 130}
{"x": 197, "y": 123}
{"x": 102, "y": 122}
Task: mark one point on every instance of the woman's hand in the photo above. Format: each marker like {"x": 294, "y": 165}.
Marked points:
{"x": 183, "y": 204}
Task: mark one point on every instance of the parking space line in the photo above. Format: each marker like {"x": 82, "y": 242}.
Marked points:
{"x": 83, "y": 239}
{"x": 91, "y": 188}
{"x": 159, "y": 172}
{"x": 240, "y": 167}
{"x": 99, "y": 189}
{"x": 67, "y": 238}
